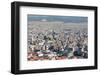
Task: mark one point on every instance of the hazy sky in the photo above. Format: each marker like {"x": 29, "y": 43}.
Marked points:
{"x": 67, "y": 19}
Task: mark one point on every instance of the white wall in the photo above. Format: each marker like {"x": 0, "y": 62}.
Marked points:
{"x": 5, "y": 41}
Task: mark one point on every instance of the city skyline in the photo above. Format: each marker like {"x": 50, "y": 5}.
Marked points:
{"x": 57, "y": 37}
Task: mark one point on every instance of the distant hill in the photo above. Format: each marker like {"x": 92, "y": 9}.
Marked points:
{"x": 66, "y": 19}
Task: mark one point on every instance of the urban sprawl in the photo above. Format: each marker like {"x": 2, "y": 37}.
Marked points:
{"x": 56, "y": 41}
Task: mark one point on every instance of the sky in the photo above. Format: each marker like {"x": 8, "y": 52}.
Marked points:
{"x": 66, "y": 19}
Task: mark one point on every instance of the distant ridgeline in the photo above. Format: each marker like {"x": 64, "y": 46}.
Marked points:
{"x": 50, "y": 18}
